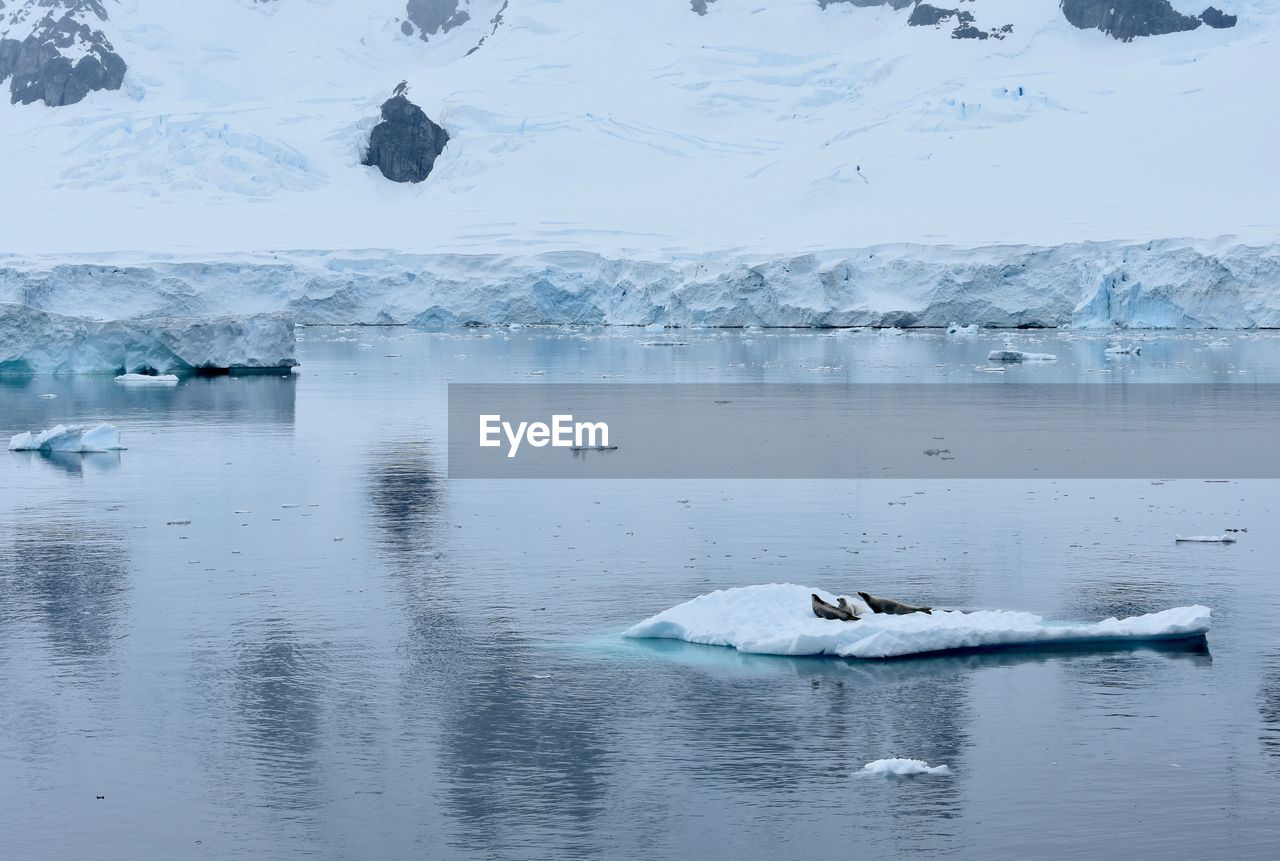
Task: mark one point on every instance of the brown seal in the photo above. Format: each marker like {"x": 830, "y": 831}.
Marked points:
{"x": 843, "y": 611}
{"x": 891, "y": 607}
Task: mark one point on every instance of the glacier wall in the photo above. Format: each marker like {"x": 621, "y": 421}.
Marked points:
{"x": 38, "y": 342}
{"x": 1163, "y": 284}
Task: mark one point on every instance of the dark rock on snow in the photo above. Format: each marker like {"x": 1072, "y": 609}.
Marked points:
{"x": 1217, "y": 19}
{"x": 405, "y": 144}
{"x": 1128, "y": 19}
{"x": 62, "y": 58}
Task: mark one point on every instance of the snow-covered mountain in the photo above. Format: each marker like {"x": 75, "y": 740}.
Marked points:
{"x": 662, "y": 130}
{"x": 776, "y": 125}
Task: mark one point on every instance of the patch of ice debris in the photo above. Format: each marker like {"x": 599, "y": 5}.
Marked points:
{"x": 897, "y": 767}
{"x": 777, "y": 619}
{"x": 80, "y": 439}
{"x": 148, "y": 379}
{"x": 1010, "y": 356}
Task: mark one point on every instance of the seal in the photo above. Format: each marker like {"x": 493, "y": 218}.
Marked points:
{"x": 891, "y": 607}
{"x": 843, "y": 612}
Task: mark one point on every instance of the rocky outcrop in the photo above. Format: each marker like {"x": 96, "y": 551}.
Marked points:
{"x": 52, "y": 52}
{"x": 406, "y": 143}
{"x": 1126, "y": 20}
{"x": 1123, "y": 19}
{"x": 1217, "y": 19}
{"x": 922, "y": 15}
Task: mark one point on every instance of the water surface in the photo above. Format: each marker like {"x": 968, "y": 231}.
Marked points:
{"x": 274, "y": 628}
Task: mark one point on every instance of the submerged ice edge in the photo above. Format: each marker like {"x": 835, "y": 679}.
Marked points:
{"x": 776, "y": 619}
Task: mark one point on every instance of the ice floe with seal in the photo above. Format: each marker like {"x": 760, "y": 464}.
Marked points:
{"x": 898, "y": 767}
{"x": 74, "y": 439}
{"x": 777, "y": 619}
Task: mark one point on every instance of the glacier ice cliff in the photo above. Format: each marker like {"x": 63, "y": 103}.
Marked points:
{"x": 38, "y": 342}
{"x": 1162, "y": 284}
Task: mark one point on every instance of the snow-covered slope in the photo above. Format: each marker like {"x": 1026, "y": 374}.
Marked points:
{"x": 640, "y": 129}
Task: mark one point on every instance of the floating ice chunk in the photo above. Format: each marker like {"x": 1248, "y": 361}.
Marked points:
{"x": 1123, "y": 350}
{"x": 1007, "y": 355}
{"x": 1205, "y": 539}
{"x": 48, "y": 396}
{"x": 69, "y": 438}
{"x": 776, "y": 619}
{"x": 1220, "y": 343}
{"x": 655, "y": 327}
{"x": 957, "y": 329}
{"x": 148, "y": 379}
{"x": 38, "y": 342}
{"x": 903, "y": 767}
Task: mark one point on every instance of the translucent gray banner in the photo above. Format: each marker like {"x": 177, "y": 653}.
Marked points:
{"x": 864, "y": 431}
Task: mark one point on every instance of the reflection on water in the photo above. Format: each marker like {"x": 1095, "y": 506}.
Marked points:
{"x": 70, "y": 462}
{"x": 69, "y": 579}
{"x": 513, "y": 747}
{"x": 278, "y": 690}
{"x": 274, "y": 628}
{"x": 1269, "y": 705}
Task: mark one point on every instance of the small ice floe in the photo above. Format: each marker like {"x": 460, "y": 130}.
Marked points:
{"x": 69, "y": 438}
{"x": 655, "y": 327}
{"x": 1219, "y": 344}
{"x": 897, "y": 767}
{"x": 1123, "y": 350}
{"x": 957, "y": 329}
{"x": 1205, "y": 539}
{"x": 1010, "y": 356}
{"x": 48, "y": 396}
{"x": 778, "y": 619}
{"x": 148, "y": 379}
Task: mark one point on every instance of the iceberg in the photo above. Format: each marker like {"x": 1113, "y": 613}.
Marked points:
{"x": 39, "y": 342}
{"x": 147, "y": 379}
{"x": 903, "y": 767}
{"x": 776, "y": 619}
{"x": 1019, "y": 356}
{"x": 75, "y": 439}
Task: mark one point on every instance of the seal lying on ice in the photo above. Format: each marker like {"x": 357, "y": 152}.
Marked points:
{"x": 891, "y": 607}
{"x": 841, "y": 611}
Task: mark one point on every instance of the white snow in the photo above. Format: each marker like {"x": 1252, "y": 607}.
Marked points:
{"x": 148, "y": 379}
{"x": 69, "y": 438}
{"x": 1205, "y": 539}
{"x": 38, "y": 342}
{"x": 1019, "y": 356}
{"x": 904, "y": 767}
{"x": 640, "y": 127}
{"x": 777, "y": 619}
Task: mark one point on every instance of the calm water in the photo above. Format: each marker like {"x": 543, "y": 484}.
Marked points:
{"x": 273, "y": 628}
